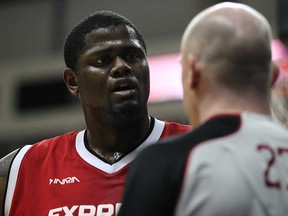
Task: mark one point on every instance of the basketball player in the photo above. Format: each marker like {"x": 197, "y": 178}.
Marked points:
{"x": 83, "y": 173}
{"x": 235, "y": 162}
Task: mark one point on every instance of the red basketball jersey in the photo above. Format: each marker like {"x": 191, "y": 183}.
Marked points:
{"x": 59, "y": 176}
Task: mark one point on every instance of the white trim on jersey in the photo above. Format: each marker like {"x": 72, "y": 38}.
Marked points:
{"x": 13, "y": 175}
{"x": 105, "y": 167}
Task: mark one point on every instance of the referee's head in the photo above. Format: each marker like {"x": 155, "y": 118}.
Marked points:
{"x": 226, "y": 56}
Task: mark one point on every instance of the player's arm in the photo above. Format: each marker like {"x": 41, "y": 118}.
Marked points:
{"x": 5, "y": 163}
{"x": 146, "y": 186}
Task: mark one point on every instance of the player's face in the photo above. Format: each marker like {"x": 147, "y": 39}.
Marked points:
{"x": 112, "y": 72}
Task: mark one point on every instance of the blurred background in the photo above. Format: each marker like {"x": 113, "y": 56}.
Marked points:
{"x": 34, "y": 102}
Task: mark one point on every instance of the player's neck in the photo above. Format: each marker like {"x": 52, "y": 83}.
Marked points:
{"x": 108, "y": 157}
{"x": 114, "y": 138}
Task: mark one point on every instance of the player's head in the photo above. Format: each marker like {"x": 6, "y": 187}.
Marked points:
{"x": 226, "y": 46}
{"x": 76, "y": 39}
{"x": 107, "y": 66}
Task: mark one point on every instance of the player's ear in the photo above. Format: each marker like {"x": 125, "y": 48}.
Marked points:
{"x": 70, "y": 78}
{"x": 275, "y": 73}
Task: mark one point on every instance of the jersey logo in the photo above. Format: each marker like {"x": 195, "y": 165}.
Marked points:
{"x": 68, "y": 180}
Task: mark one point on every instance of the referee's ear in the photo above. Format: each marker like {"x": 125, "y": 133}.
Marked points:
{"x": 195, "y": 71}
{"x": 275, "y": 73}
{"x": 70, "y": 78}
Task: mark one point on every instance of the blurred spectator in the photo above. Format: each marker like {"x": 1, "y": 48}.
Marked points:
{"x": 279, "y": 97}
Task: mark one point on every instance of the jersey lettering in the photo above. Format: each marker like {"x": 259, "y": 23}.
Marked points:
{"x": 283, "y": 151}
{"x": 271, "y": 162}
{"x": 69, "y": 212}
{"x": 86, "y": 210}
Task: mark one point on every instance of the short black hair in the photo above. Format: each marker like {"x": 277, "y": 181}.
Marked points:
{"x": 75, "y": 40}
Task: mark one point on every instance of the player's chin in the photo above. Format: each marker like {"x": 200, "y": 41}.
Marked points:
{"x": 130, "y": 108}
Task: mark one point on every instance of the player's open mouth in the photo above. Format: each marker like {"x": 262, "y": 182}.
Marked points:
{"x": 124, "y": 87}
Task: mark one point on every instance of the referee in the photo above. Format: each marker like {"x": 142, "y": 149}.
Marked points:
{"x": 235, "y": 161}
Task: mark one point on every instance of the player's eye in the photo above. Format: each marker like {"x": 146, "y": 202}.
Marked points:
{"x": 100, "y": 61}
{"x": 132, "y": 56}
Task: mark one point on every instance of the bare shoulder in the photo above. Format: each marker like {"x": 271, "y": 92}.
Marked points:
{"x": 5, "y": 163}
